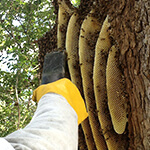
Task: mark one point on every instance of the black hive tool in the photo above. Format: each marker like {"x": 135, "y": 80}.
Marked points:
{"x": 55, "y": 67}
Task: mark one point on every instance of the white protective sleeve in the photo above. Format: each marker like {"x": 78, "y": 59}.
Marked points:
{"x": 4, "y": 145}
{"x": 54, "y": 126}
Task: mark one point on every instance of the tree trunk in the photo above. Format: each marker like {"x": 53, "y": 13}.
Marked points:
{"x": 130, "y": 22}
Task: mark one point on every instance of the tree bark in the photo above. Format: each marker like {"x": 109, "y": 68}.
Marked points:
{"x": 130, "y": 22}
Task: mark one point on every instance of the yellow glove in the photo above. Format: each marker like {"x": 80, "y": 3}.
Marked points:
{"x": 68, "y": 90}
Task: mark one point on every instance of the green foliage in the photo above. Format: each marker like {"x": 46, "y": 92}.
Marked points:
{"x": 76, "y": 3}
{"x": 22, "y": 23}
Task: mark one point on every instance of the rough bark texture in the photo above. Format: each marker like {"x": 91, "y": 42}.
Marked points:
{"x": 131, "y": 29}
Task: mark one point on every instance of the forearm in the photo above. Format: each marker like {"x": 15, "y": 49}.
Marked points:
{"x": 54, "y": 126}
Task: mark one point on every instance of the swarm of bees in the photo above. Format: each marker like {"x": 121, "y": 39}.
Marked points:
{"x": 93, "y": 62}
{"x": 46, "y": 44}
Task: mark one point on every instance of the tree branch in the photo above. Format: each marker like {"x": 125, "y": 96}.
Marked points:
{"x": 24, "y": 120}
{"x": 11, "y": 34}
{"x": 21, "y": 24}
{"x": 16, "y": 89}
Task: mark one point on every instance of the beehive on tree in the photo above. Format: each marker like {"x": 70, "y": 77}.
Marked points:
{"x": 97, "y": 46}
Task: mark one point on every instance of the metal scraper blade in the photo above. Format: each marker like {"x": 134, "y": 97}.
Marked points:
{"x": 54, "y": 67}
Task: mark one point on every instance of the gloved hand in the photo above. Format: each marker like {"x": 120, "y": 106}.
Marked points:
{"x": 68, "y": 90}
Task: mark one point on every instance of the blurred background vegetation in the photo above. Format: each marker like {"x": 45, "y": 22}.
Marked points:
{"x": 22, "y": 23}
